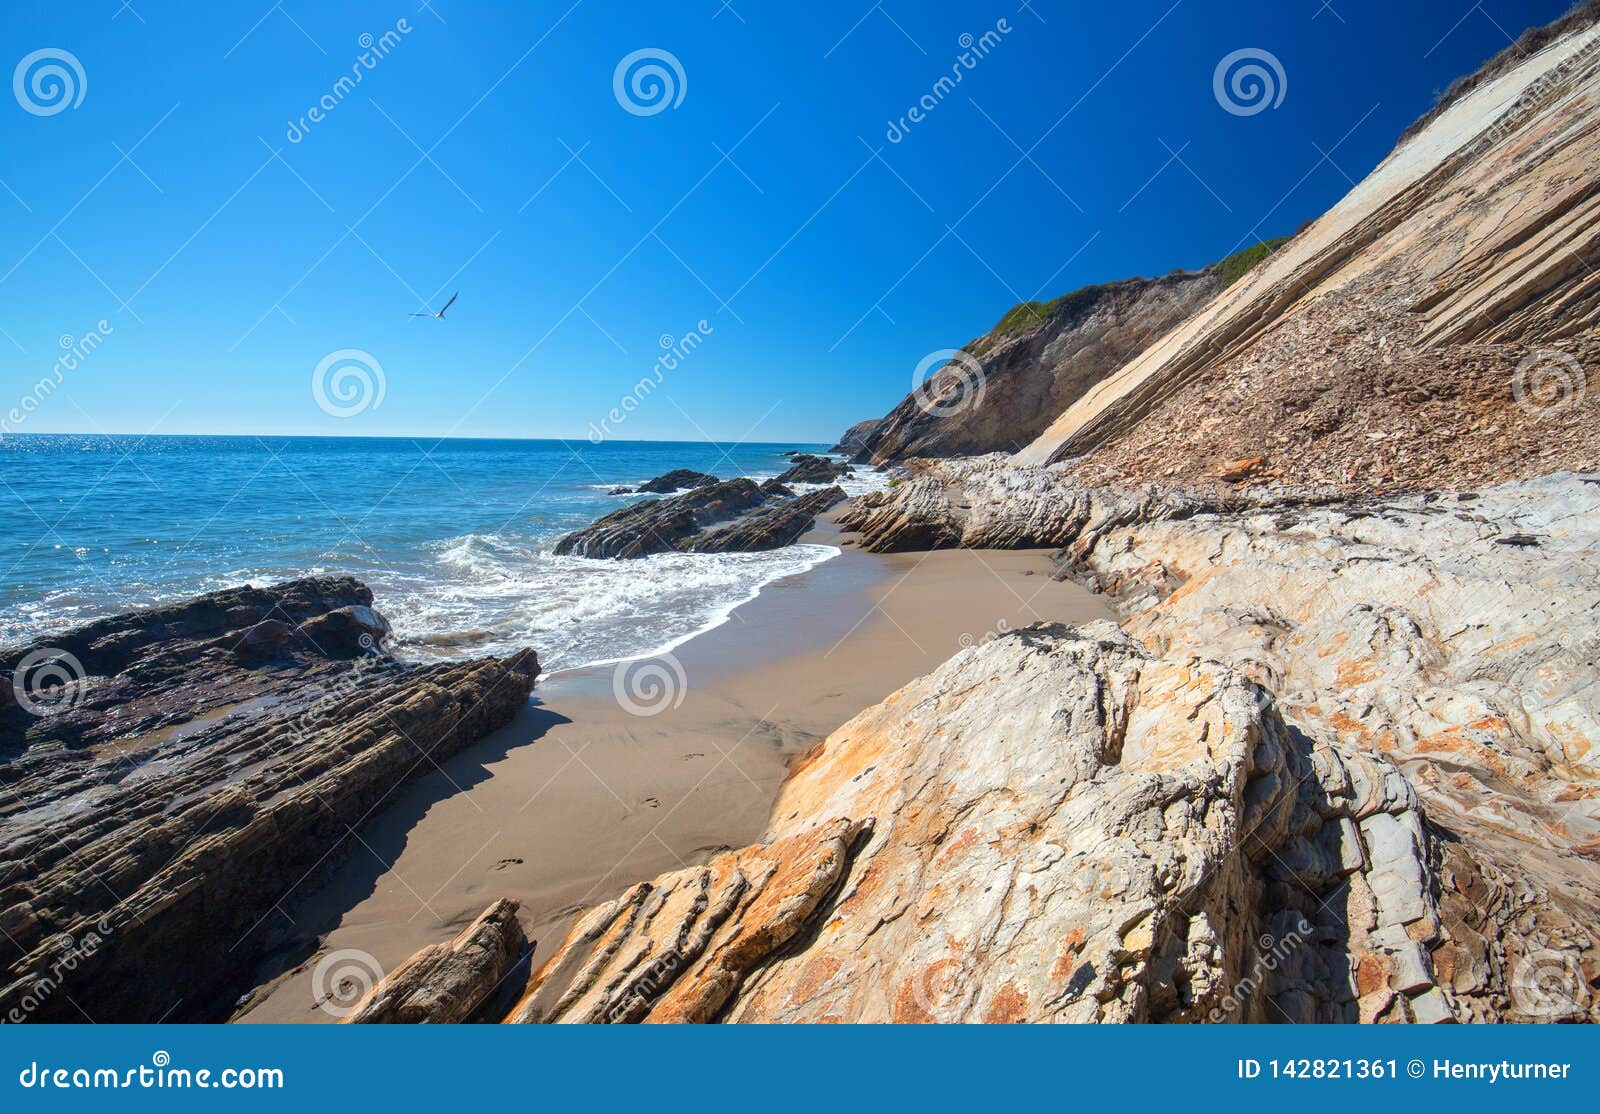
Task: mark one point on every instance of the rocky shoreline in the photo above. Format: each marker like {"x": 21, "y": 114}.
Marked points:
{"x": 708, "y": 515}
{"x": 200, "y": 762}
{"x": 1334, "y": 762}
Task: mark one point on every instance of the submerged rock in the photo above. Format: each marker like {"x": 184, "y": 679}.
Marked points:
{"x": 679, "y": 479}
{"x": 207, "y": 760}
{"x": 807, "y": 469}
{"x": 728, "y": 516}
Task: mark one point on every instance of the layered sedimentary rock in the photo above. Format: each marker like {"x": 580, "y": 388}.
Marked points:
{"x": 446, "y": 982}
{"x": 1007, "y": 385}
{"x": 728, "y": 516}
{"x": 679, "y": 479}
{"x": 203, "y": 761}
{"x": 777, "y": 522}
{"x": 1456, "y": 635}
{"x": 805, "y": 468}
{"x": 855, "y": 438}
{"x": 1436, "y": 328}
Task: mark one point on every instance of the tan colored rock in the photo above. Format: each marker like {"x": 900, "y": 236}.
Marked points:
{"x": 1055, "y": 825}
{"x": 1456, "y": 635}
{"x": 446, "y": 982}
{"x": 1435, "y": 328}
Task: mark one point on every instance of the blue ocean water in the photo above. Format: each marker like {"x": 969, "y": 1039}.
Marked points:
{"x": 453, "y": 536}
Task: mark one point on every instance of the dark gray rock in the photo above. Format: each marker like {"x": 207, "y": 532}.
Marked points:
{"x": 206, "y": 760}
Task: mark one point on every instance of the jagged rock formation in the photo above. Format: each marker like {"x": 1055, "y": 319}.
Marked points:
{"x": 679, "y": 479}
{"x": 804, "y": 468}
{"x": 1455, "y": 634}
{"x": 729, "y": 516}
{"x": 446, "y": 982}
{"x": 855, "y": 438}
{"x": 1055, "y": 825}
{"x": 777, "y": 522}
{"x": 1436, "y": 328}
{"x": 205, "y": 759}
{"x": 1037, "y": 361}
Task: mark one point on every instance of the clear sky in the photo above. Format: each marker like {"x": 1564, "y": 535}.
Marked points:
{"x": 230, "y": 248}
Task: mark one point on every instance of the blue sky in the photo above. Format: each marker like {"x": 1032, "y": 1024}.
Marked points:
{"x": 486, "y": 151}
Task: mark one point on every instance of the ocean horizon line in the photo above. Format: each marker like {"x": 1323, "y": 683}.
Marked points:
{"x": 411, "y": 437}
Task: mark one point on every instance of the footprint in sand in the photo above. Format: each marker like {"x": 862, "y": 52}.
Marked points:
{"x": 503, "y": 863}
{"x": 691, "y": 756}
{"x": 652, "y": 802}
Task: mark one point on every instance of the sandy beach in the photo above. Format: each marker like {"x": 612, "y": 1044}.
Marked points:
{"x": 581, "y": 796}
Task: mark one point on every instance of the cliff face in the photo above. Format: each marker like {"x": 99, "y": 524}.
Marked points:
{"x": 1436, "y": 328}
{"x": 855, "y": 438}
{"x": 1037, "y": 361}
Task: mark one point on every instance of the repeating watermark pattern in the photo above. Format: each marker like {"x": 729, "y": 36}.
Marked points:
{"x": 1548, "y": 984}
{"x": 347, "y": 382}
{"x": 75, "y": 350}
{"x": 973, "y": 51}
{"x": 48, "y": 681}
{"x": 649, "y": 81}
{"x": 373, "y": 51}
{"x": 326, "y": 709}
{"x": 74, "y": 950}
{"x": 1000, "y": 628}
{"x": 1271, "y": 956}
{"x": 948, "y": 382}
{"x": 674, "y": 351}
{"x": 648, "y": 987}
{"x": 1511, "y": 118}
{"x": 1548, "y": 381}
{"x": 342, "y": 978}
{"x": 649, "y": 686}
{"x": 1249, "y": 81}
{"x": 936, "y": 990}
{"x": 1566, "y": 673}
{"x": 49, "y": 81}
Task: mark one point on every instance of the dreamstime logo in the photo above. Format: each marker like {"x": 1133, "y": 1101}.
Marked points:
{"x": 648, "y": 987}
{"x": 973, "y": 51}
{"x": 674, "y": 351}
{"x": 1272, "y": 954}
{"x": 649, "y": 81}
{"x": 1249, "y": 81}
{"x": 348, "y": 381}
{"x": 74, "y": 350}
{"x": 1001, "y": 628}
{"x": 342, "y": 979}
{"x": 947, "y": 382}
{"x": 650, "y": 686}
{"x": 1548, "y": 984}
{"x": 373, "y": 51}
{"x": 936, "y": 990}
{"x": 48, "y": 681}
{"x": 1547, "y": 382}
{"x": 70, "y": 951}
{"x": 1536, "y": 92}
{"x": 49, "y": 81}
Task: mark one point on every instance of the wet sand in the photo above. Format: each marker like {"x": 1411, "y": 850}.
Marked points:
{"x": 588, "y": 792}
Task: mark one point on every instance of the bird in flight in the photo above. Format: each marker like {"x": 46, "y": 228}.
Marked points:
{"x": 440, "y": 314}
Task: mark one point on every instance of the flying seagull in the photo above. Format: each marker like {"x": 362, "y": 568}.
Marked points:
{"x": 440, "y": 314}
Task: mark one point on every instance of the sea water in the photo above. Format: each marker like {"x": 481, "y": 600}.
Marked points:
{"x": 454, "y": 537}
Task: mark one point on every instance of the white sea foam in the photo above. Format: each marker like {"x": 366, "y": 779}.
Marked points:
{"x": 490, "y": 594}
